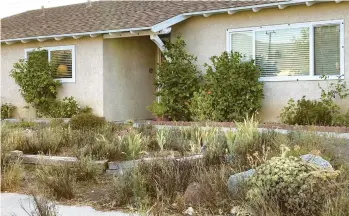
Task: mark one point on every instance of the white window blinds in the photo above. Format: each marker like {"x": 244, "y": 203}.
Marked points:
{"x": 293, "y": 51}
{"x": 283, "y": 52}
{"x": 327, "y": 50}
{"x": 241, "y": 42}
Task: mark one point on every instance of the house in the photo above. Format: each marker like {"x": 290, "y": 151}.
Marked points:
{"x": 109, "y": 49}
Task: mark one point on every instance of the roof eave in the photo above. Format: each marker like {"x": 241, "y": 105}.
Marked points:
{"x": 157, "y": 28}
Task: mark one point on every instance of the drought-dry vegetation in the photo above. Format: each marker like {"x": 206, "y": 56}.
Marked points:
{"x": 169, "y": 187}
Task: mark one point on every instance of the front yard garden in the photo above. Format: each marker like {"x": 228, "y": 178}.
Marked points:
{"x": 279, "y": 182}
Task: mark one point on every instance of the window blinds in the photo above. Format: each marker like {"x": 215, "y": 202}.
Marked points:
{"x": 283, "y": 52}
{"x": 241, "y": 42}
{"x": 62, "y": 61}
{"x": 327, "y": 50}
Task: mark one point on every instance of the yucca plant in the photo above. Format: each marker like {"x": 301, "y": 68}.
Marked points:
{"x": 131, "y": 144}
{"x": 161, "y": 137}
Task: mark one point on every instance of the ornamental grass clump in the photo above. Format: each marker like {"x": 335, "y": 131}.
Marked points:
{"x": 297, "y": 187}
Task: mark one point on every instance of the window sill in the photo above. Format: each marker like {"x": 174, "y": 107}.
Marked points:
{"x": 299, "y": 78}
{"x": 70, "y": 80}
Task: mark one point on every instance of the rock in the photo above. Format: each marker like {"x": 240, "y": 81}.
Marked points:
{"x": 242, "y": 211}
{"x": 195, "y": 194}
{"x": 15, "y": 154}
{"x": 318, "y": 161}
{"x": 189, "y": 211}
{"x": 235, "y": 180}
{"x": 48, "y": 160}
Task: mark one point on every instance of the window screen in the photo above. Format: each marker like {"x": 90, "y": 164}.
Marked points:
{"x": 327, "y": 50}
{"x": 241, "y": 42}
{"x": 283, "y": 52}
{"x": 62, "y": 61}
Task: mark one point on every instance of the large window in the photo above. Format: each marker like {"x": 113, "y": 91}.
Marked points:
{"x": 63, "y": 59}
{"x": 302, "y": 51}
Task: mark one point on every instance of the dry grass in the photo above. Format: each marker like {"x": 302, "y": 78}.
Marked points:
{"x": 11, "y": 176}
{"x": 41, "y": 207}
{"x": 59, "y": 180}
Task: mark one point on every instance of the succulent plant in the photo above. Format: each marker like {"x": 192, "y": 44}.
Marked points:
{"x": 297, "y": 186}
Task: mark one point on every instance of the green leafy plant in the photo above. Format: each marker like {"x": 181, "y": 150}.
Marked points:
{"x": 7, "y": 110}
{"x": 234, "y": 86}
{"x": 177, "y": 79}
{"x": 201, "y": 106}
{"x": 161, "y": 136}
{"x": 158, "y": 109}
{"x": 318, "y": 112}
{"x": 86, "y": 121}
{"x": 35, "y": 77}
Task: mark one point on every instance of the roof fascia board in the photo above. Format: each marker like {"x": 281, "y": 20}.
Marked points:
{"x": 168, "y": 23}
{"x": 256, "y": 8}
{"x": 76, "y": 34}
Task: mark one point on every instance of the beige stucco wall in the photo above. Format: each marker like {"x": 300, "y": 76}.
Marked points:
{"x": 128, "y": 85}
{"x": 88, "y": 87}
{"x": 207, "y": 36}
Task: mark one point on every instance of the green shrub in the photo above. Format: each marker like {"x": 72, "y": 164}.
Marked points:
{"x": 318, "y": 112}
{"x": 132, "y": 144}
{"x": 158, "y": 109}
{"x": 177, "y": 79}
{"x": 86, "y": 121}
{"x": 234, "y": 86}
{"x": 306, "y": 112}
{"x": 201, "y": 106}
{"x": 7, "y": 110}
{"x": 35, "y": 79}
{"x": 295, "y": 185}
{"x": 58, "y": 179}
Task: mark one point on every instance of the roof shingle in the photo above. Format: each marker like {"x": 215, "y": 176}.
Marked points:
{"x": 105, "y": 15}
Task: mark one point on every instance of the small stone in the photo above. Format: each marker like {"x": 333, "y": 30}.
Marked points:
{"x": 189, "y": 211}
{"x": 318, "y": 161}
{"x": 235, "y": 180}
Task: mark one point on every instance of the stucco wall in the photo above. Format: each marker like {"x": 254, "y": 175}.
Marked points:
{"x": 87, "y": 89}
{"x": 128, "y": 85}
{"x": 207, "y": 36}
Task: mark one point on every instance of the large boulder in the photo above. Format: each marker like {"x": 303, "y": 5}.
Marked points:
{"x": 235, "y": 180}
{"x": 318, "y": 161}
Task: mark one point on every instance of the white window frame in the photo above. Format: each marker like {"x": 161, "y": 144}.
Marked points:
{"x": 54, "y": 48}
{"x": 311, "y": 26}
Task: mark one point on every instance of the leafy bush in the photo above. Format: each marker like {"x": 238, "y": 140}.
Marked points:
{"x": 7, "y": 110}
{"x": 201, "y": 106}
{"x": 234, "y": 86}
{"x": 35, "y": 79}
{"x": 318, "y": 112}
{"x": 295, "y": 185}
{"x": 58, "y": 179}
{"x": 158, "y": 109}
{"x": 177, "y": 79}
{"x": 86, "y": 121}
{"x": 306, "y": 112}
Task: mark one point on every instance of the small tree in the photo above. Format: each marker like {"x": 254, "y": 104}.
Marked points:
{"x": 233, "y": 86}
{"x": 38, "y": 87}
{"x": 177, "y": 80}
{"x": 34, "y": 77}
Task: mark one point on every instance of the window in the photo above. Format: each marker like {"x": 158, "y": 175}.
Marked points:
{"x": 302, "y": 51}
{"x": 63, "y": 59}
